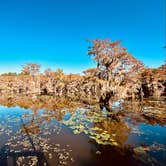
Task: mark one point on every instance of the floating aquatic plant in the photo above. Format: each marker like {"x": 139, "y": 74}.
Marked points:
{"x": 82, "y": 121}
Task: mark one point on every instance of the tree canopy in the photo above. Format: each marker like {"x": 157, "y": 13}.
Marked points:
{"x": 30, "y": 69}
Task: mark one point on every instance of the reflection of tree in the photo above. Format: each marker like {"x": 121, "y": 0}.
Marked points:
{"x": 98, "y": 126}
{"x": 31, "y": 128}
{"x": 37, "y": 102}
{"x": 5, "y": 154}
{"x": 119, "y": 131}
{"x": 35, "y": 120}
{"x": 148, "y": 111}
{"x": 37, "y": 155}
{"x": 32, "y": 141}
{"x": 127, "y": 155}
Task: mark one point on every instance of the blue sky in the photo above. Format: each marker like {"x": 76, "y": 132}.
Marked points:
{"x": 53, "y": 33}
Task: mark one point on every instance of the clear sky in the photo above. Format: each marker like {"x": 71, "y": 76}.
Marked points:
{"x": 53, "y": 33}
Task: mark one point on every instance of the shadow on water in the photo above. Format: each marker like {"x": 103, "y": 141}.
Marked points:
{"x": 5, "y": 152}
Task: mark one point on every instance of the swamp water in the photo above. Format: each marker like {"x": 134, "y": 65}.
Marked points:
{"x": 45, "y": 131}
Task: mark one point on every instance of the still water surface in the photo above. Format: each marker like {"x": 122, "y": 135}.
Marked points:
{"x": 79, "y": 136}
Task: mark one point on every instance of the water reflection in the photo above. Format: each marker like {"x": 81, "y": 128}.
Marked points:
{"x": 45, "y": 130}
{"x": 16, "y": 158}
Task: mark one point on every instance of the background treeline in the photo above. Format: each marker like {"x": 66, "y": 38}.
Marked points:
{"x": 118, "y": 75}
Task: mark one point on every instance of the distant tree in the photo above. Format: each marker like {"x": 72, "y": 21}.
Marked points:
{"x": 9, "y": 74}
{"x": 91, "y": 72}
{"x": 30, "y": 69}
{"x": 163, "y": 67}
{"x": 71, "y": 77}
{"x": 59, "y": 73}
{"x": 48, "y": 72}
